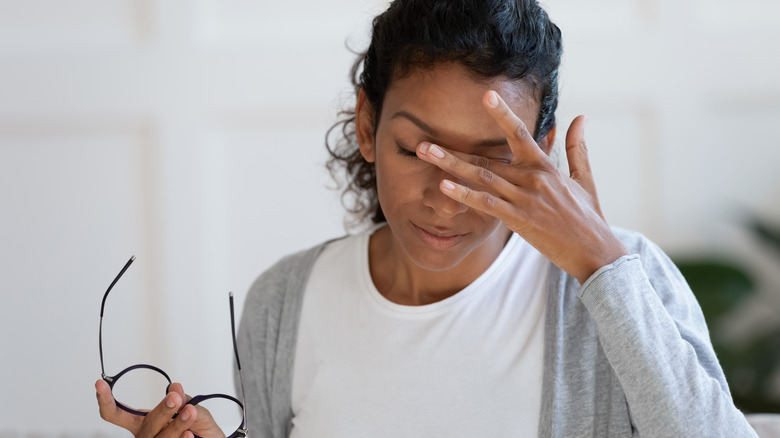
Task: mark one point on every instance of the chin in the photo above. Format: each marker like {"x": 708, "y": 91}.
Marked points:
{"x": 436, "y": 260}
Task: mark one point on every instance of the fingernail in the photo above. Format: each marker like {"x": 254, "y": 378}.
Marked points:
{"x": 447, "y": 185}
{"x": 493, "y": 99}
{"x": 185, "y": 415}
{"x": 436, "y": 151}
{"x": 169, "y": 402}
{"x": 424, "y": 147}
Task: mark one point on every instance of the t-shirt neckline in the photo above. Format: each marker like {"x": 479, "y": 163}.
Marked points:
{"x": 439, "y": 307}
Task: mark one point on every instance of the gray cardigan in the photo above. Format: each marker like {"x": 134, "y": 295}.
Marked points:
{"x": 626, "y": 354}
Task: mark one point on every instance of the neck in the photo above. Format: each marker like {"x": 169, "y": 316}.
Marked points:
{"x": 402, "y": 281}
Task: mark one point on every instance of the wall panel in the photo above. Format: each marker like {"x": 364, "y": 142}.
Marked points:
{"x": 52, "y": 26}
{"x": 74, "y": 210}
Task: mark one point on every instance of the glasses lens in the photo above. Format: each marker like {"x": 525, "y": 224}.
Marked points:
{"x": 141, "y": 389}
{"x": 227, "y": 413}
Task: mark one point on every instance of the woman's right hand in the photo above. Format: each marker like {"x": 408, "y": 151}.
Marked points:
{"x": 158, "y": 423}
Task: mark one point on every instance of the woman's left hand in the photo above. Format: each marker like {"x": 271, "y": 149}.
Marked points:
{"x": 558, "y": 214}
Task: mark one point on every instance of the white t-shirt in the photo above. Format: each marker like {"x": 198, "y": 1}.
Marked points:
{"x": 467, "y": 366}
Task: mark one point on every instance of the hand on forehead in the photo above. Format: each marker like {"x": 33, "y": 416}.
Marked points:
{"x": 444, "y": 105}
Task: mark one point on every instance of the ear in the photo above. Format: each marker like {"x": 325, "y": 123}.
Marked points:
{"x": 546, "y": 144}
{"x": 364, "y": 127}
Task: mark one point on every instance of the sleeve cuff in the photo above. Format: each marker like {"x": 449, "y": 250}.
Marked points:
{"x": 624, "y": 262}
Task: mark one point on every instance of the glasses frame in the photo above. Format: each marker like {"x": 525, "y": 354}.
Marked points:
{"x": 241, "y": 431}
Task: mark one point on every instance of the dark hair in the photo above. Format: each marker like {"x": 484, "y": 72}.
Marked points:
{"x": 513, "y": 38}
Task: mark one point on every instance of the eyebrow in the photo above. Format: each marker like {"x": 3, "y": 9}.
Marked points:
{"x": 434, "y": 133}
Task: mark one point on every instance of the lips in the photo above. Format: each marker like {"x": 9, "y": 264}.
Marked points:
{"x": 437, "y": 237}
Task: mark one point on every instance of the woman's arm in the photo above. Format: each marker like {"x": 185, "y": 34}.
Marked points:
{"x": 654, "y": 336}
{"x": 557, "y": 214}
{"x": 649, "y": 324}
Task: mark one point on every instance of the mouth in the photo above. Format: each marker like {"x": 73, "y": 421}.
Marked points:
{"x": 437, "y": 238}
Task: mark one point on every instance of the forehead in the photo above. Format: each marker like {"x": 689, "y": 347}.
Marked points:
{"x": 449, "y": 98}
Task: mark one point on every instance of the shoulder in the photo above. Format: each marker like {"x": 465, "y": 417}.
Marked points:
{"x": 287, "y": 276}
{"x": 636, "y": 242}
{"x": 655, "y": 262}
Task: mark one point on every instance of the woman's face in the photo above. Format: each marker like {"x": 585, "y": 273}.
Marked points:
{"x": 442, "y": 106}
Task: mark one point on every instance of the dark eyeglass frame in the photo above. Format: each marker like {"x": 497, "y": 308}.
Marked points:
{"x": 241, "y": 431}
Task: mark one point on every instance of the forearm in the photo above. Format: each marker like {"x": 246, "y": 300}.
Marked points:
{"x": 671, "y": 378}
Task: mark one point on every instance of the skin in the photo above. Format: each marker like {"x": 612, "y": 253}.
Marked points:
{"x": 469, "y": 172}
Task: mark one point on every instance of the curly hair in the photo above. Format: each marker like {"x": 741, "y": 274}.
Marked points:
{"x": 513, "y": 38}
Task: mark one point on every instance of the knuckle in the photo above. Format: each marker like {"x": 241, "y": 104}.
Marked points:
{"x": 454, "y": 162}
{"x": 537, "y": 183}
{"x": 485, "y": 175}
{"x": 584, "y": 154}
{"x": 481, "y": 161}
{"x": 489, "y": 201}
{"x": 547, "y": 166}
{"x": 520, "y": 132}
{"x": 467, "y": 194}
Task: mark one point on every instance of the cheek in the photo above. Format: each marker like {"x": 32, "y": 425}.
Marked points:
{"x": 402, "y": 182}
{"x": 491, "y": 223}
{"x": 396, "y": 184}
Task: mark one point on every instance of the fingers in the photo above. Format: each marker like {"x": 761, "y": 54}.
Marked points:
{"x": 577, "y": 151}
{"x": 177, "y": 388}
{"x": 474, "y": 170}
{"x": 579, "y": 164}
{"x": 110, "y": 412}
{"x": 520, "y": 140}
{"x": 179, "y": 427}
{"x": 475, "y": 175}
{"x": 158, "y": 422}
{"x": 205, "y": 424}
{"x": 577, "y": 157}
{"x": 159, "y": 417}
{"x": 479, "y": 200}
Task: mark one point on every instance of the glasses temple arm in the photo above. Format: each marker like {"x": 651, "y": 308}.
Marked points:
{"x": 238, "y": 361}
{"x": 102, "y": 307}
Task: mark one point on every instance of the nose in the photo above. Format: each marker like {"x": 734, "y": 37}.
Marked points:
{"x": 433, "y": 198}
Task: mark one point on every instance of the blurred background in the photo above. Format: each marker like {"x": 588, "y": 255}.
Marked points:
{"x": 190, "y": 134}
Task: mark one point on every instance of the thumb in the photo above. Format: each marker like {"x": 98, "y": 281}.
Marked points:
{"x": 577, "y": 155}
{"x": 177, "y": 388}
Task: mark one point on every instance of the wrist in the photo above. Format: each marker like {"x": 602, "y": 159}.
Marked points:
{"x": 598, "y": 259}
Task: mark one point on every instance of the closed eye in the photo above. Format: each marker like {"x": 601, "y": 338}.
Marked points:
{"x": 400, "y": 150}
{"x": 406, "y": 152}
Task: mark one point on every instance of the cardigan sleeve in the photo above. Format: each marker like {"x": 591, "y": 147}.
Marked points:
{"x": 653, "y": 333}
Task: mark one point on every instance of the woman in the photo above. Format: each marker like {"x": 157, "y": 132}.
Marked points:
{"x": 490, "y": 297}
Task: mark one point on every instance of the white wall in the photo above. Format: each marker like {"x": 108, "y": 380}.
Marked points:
{"x": 189, "y": 133}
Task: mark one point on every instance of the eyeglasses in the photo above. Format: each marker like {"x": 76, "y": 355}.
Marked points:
{"x": 241, "y": 431}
